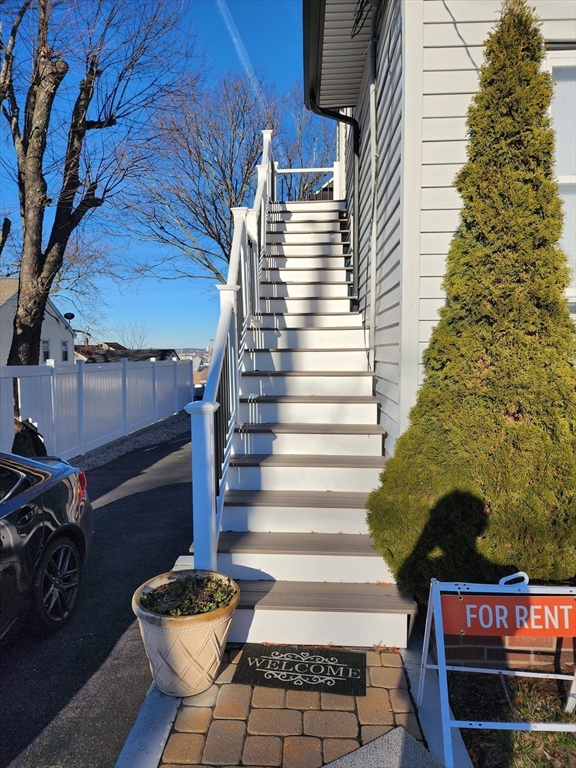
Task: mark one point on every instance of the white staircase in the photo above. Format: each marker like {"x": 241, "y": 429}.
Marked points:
{"x": 307, "y": 453}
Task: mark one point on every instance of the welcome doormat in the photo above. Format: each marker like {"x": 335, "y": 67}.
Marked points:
{"x": 302, "y": 668}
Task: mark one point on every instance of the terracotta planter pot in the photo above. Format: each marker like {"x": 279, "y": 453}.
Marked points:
{"x": 184, "y": 651}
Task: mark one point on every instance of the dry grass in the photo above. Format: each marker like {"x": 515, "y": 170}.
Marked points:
{"x": 482, "y": 697}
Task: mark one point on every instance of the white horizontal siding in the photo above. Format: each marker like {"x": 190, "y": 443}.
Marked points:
{"x": 449, "y": 152}
{"x": 439, "y": 221}
{"x": 444, "y": 128}
{"x": 446, "y": 198}
{"x": 441, "y": 175}
{"x": 379, "y": 284}
{"x": 460, "y": 81}
{"x": 454, "y": 32}
{"x": 488, "y": 10}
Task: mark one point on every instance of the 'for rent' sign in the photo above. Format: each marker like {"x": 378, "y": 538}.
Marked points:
{"x": 529, "y": 615}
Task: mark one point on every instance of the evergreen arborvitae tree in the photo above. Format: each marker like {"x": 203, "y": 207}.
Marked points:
{"x": 483, "y": 482}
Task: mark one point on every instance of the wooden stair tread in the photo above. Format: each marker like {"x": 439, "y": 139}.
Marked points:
{"x": 311, "y": 314}
{"x": 308, "y": 398}
{"x": 312, "y": 429}
{"x": 314, "y": 544}
{"x": 323, "y": 596}
{"x": 306, "y": 373}
{"x": 302, "y": 282}
{"x": 320, "y": 499}
{"x": 307, "y": 269}
{"x": 304, "y": 460}
{"x": 312, "y": 328}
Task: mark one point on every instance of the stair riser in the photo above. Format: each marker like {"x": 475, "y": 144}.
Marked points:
{"x": 306, "y": 290}
{"x": 304, "y": 250}
{"x": 304, "y": 262}
{"x": 303, "y": 360}
{"x": 319, "y": 628}
{"x": 294, "y": 520}
{"x": 312, "y": 338}
{"x": 308, "y": 207}
{"x": 331, "y": 226}
{"x": 305, "y": 238}
{"x": 308, "y": 413}
{"x": 306, "y": 385}
{"x": 313, "y": 321}
{"x": 356, "y": 479}
{"x": 297, "y": 567}
{"x": 289, "y": 442}
{"x": 304, "y": 216}
{"x": 306, "y": 275}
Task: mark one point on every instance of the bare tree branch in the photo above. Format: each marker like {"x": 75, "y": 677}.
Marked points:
{"x": 89, "y": 73}
{"x": 209, "y": 144}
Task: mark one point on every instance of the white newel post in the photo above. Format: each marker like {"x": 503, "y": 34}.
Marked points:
{"x": 80, "y": 365}
{"x": 204, "y": 484}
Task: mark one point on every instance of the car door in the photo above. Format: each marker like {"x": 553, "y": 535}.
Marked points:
{"x": 21, "y": 523}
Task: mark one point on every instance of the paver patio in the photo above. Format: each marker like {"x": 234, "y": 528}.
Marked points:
{"x": 241, "y": 725}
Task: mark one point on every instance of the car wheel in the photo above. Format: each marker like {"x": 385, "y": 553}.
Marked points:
{"x": 55, "y": 587}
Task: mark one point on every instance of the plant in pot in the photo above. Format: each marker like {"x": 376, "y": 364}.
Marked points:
{"x": 184, "y": 619}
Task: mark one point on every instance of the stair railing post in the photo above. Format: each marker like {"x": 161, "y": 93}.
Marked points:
{"x": 203, "y": 486}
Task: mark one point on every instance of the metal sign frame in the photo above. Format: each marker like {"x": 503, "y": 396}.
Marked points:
{"x": 517, "y": 584}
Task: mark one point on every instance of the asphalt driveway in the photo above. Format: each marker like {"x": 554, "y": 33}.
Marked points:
{"x": 69, "y": 701}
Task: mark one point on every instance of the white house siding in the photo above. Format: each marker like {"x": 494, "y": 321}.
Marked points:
{"x": 453, "y": 35}
{"x": 382, "y": 279}
{"x": 54, "y": 330}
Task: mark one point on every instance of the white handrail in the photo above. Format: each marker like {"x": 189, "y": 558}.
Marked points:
{"x": 214, "y": 418}
{"x": 305, "y": 170}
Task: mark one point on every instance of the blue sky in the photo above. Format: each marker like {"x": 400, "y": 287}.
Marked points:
{"x": 184, "y": 313}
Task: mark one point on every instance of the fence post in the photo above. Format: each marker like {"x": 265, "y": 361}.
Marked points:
{"x": 191, "y": 396}
{"x": 53, "y": 419}
{"x": 80, "y": 364}
{"x": 125, "y": 396}
{"x": 154, "y": 391}
{"x": 204, "y": 484}
{"x": 176, "y": 399}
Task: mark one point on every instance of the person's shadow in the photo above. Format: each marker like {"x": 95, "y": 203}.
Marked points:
{"x": 447, "y": 547}
{"x": 447, "y": 550}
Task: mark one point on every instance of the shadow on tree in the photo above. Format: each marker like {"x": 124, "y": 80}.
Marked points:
{"x": 447, "y": 547}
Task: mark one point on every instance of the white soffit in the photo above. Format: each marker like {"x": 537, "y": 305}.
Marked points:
{"x": 343, "y": 56}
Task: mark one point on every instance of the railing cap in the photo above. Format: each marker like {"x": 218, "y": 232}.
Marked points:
{"x": 200, "y": 407}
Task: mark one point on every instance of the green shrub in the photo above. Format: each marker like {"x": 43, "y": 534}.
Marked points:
{"x": 483, "y": 482}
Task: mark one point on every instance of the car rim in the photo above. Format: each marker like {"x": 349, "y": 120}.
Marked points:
{"x": 61, "y": 578}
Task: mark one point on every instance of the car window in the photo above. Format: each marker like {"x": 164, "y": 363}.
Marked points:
{"x": 11, "y": 481}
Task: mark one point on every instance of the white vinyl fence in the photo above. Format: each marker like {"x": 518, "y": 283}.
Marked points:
{"x": 79, "y": 407}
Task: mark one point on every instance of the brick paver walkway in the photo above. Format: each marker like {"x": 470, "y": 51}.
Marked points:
{"x": 240, "y": 725}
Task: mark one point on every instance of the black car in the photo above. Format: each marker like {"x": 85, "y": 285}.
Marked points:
{"x": 45, "y": 533}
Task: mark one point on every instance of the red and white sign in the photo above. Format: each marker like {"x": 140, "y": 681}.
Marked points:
{"x": 522, "y": 615}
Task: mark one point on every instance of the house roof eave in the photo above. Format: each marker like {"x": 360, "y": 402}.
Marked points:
{"x": 329, "y": 50}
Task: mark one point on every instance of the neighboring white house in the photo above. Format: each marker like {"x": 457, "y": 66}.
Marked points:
{"x": 409, "y": 92}
{"x": 57, "y": 336}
